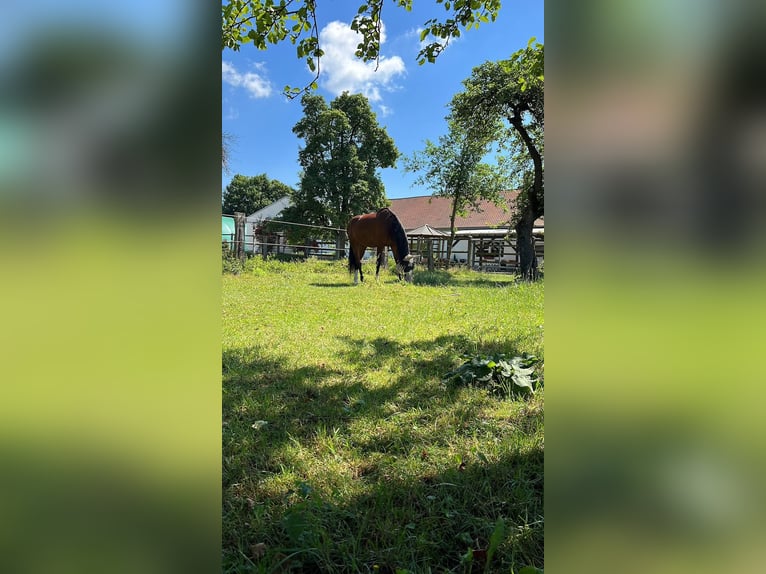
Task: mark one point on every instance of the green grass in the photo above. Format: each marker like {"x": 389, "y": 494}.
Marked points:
{"x": 342, "y": 449}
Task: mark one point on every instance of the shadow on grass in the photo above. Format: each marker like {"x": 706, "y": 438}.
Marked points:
{"x": 342, "y": 284}
{"x": 302, "y": 398}
{"x": 306, "y": 396}
{"x": 420, "y": 360}
{"x": 418, "y": 524}
{"x": 438, "y": 278}
{"x": 453, "y": 510}
{"x": 400, "y": 520}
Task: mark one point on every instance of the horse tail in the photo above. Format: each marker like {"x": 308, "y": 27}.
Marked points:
{"x": 353, "y": 261}
{"x": 353, "y": 264}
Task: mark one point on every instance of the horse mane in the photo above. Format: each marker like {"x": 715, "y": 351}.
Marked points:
{"x": 396, "y": 231}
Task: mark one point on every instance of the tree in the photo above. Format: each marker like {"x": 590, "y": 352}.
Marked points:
{"x": 454, "y": 169}
{"x": 344, "y": 148}
{"x": 510, "y": 94}
{"x": 247, "y": 194}
{"x": 265, "y": 22}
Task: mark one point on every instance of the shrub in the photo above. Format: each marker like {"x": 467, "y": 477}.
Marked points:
{"x": 506, "y": 377}
{"x": 229, "y": 261}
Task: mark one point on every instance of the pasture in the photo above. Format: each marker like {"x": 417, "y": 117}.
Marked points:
{"x": 343, "y": 450}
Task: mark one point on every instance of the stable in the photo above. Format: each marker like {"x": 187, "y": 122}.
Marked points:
{"x": 484, "y": 238}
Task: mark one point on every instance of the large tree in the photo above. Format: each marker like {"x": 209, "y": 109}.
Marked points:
{"x": 508, "y": 96}
{"x": 344, "y": 148}
{"x": 247, "y": 194}
{"x": 453, "y": 168}
{"x": 265, "y": 22}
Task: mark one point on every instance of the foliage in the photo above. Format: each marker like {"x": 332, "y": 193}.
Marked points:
{"x": 230, "y": 263}
{"x": 344, "y": 147}
{"x": 365, "y": 459}
{"x": 511, "y": 90}
{"x": 507, "y": 377}
{"x": 268, "y": 22}
{"x": 247, "y": 194}
{"x": 505, "y": 100}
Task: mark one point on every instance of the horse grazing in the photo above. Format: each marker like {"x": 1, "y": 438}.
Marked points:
{"x": 380, "y": 229}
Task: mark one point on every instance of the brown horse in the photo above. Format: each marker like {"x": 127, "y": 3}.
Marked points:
{"x": 380, "y": 230}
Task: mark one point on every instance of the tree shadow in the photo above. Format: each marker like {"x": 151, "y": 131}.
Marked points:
{"x": 378, "y": 352}
{"x": 293, "y": 402}
{"x": 344, "y": 284}
{"x": 450, "y": 501}
{"x": 298, "y": 403}
{"x": 440, "y": 277}
{"x": 421, "y": 523}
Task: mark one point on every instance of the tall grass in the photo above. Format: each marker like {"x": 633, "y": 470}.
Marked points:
{"x": 343, "y": 451}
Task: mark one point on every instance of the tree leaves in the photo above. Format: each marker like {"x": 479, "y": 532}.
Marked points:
{"x": 247, "y": 194}
{"x": 344, "y": 148}
{"x": 265, "y": 22}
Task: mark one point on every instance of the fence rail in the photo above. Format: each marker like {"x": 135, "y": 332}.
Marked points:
{"x": 273, "y": 243}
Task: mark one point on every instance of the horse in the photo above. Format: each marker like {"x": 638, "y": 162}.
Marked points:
{"x": 380, "y": 229}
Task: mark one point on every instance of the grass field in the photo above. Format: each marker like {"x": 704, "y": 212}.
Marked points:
{"x": 343, "y": 451}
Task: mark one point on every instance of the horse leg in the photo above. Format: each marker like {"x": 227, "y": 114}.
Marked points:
{"x": 381, "y": 256}
{"x": 359, "y": 255}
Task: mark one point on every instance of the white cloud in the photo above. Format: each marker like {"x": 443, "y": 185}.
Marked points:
{"x": 257, "y": 85}
{"x": 385, "y": 110}
{"x": 343, "y": 71}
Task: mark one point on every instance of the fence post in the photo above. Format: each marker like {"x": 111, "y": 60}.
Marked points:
{"x": 430, "y": 254}
{"x": 264, "y": 245}
{"x": 239, "y": 234}
{"x": 340, "y": 245}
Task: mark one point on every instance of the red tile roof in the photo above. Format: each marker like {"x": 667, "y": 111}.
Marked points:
{"x": 435, "y": 211}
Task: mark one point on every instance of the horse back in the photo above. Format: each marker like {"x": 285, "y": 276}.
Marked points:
{"x": 368, "y": 230}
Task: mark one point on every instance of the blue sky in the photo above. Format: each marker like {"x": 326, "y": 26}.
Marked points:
{"x": 409, "y": 100}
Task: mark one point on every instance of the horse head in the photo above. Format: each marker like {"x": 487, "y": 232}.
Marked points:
{"x": 407, "y": 266}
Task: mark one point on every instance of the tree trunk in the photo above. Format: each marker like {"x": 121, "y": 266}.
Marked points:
{"x": 525, "y": 245}
{"x": 451, "y": 232}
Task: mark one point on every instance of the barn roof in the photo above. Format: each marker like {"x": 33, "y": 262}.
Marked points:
{"x": 270, "y": 211}
{"x": 414, "y": 212}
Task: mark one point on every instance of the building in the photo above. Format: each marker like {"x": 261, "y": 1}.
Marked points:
{"x": 254, "y": 240}
{"x": 483, "y": 240}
